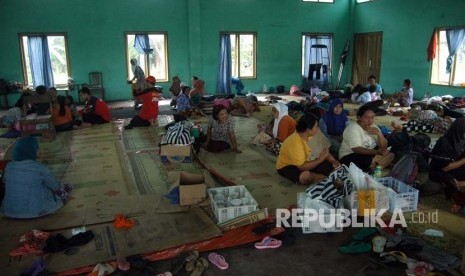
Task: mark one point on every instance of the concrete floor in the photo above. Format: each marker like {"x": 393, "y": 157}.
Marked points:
{"x": 309, "y": 254}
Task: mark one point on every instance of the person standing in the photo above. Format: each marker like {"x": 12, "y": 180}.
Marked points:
{"x": 139, "y": 77}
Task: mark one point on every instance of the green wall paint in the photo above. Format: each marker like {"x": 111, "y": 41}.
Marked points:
{"x": 407, "y": 27}
{"x": 96, "y": 36}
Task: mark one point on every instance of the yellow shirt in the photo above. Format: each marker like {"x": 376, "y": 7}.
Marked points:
{"x": 294, "y": 151}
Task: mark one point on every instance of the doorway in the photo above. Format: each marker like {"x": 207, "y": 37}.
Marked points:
{"x": 367, "y": 57}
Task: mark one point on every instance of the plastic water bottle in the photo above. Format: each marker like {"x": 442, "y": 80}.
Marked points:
{"x": 378, "y": 171}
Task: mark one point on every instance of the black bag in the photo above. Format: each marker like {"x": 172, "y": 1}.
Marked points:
{"x": 400, "y": 143}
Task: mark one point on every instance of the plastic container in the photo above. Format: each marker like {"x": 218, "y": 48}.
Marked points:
{"x": 403, "y": 197}
{"x": 237, "y": 202}
{"x": 378, "y": 172}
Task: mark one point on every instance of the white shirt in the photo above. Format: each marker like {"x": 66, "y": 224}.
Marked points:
{"x": 355, "y": 136}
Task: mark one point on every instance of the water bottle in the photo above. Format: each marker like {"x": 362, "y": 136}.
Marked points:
{"x": 378, "y": 171}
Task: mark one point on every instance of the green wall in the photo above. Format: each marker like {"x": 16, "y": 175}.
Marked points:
{"x": 407, "y": 27}
{"x": 96, "y": 36}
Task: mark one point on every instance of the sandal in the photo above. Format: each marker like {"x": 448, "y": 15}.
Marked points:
{"x": 355, "y": 248}
{"x": 268, "y": 242}
{"x": 191, "y": 259}
{"x": 218, "y": 260}
{"x": 200, "y": 267}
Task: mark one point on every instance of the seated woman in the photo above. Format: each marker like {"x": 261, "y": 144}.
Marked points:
{"x": 447, "y": 163}
{"x": 31, "y": 190}
{"x": 220, "y": 133}
{"x": 335, "y": 121}
{"x": 63, "y": 117}
{"x": 281, "y": 127}
{"x": 198, "y": 90}
{"x": 294, "y": 158}
{"x": 363, "y": 143}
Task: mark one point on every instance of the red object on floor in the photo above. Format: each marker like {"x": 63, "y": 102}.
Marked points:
{"x": 235, "y": 237}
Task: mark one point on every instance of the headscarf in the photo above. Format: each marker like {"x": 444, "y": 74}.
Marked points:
{"x": 282, "y": 111}
{"x": 335, "y": 123}
{"x": 452, "y": 144}
{"x": 26, "y": 148}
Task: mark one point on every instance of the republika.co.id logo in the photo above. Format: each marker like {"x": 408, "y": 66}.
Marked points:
{"x": 337, "y": 218}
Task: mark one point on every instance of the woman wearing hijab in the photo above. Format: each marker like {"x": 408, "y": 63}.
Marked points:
{"x": 31, "y": 190}
{"x": 283, "y": 124}
{"x": 335, "y": 121}
{"x": 447, "y": 164}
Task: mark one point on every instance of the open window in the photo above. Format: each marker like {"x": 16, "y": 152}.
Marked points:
{"x": 150, "y": 49}
{"x": 45, "y": 59}
{"x": 447, "y": 52}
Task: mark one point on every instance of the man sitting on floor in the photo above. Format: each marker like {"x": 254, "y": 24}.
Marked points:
{"x": 96, "y": 110}
{"x": 149, "y": 112}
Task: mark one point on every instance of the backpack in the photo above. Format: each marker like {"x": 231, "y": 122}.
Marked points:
{"x": 421, "y": 144}
{"x": 406, "y": 169}
{"x": 401, "y": 143}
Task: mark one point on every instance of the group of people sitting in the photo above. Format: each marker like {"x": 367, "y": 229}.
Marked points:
{"x": 62, "y": 109}
{"x": 373, "y": 91}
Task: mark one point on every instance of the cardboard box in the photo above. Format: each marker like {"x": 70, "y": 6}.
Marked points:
{"x": 176, "y": 153}
{"x": 192, "y": 188}
{"x": 250, "y": 218}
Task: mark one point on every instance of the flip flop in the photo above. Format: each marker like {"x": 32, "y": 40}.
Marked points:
{"x": 200, "y": 267}
{"x": 268, "y": 242}
{"x": 218, "y": 260}
{"x": 355, "y": 248}
{"x": 123, "y": 264}
{"x": 191, "y": 259}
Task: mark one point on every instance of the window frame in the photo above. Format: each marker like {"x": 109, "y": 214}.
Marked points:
{"x": 435, "y": 67}
{"x": 238, "y": 60}
{"x": 331, "y": 53}
{"x": 26, "y": 82}
{"x": 146, "y": 66}
{"x": 320, "y": 1}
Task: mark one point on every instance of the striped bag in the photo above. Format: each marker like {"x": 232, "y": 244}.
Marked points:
{"x": 332, "y": 189}
{"x": 178, "y": 134}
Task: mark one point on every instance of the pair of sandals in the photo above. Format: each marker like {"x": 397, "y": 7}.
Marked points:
{"x": 192, "y": 263}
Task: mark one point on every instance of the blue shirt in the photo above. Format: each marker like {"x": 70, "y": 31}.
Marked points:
{"x": 29, "y": 190}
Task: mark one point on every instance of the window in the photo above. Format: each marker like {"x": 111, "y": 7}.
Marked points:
{"x": 153, "y": 58}
{"x": 320, "y": 1}
{"x": 363, "y": 1}
{"x": 439, "y": 73}
{"x": 317, "y": 57}
{"x": 243, "y": 55}
{"x": 57, "y": 52}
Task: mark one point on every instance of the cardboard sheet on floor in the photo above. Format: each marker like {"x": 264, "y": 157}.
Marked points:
{"x": 151, "y": 233}
{"x": 105, "y": 211}
{"x": 234, "y": 237}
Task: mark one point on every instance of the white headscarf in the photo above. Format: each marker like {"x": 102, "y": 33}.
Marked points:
{"x": 283, "y": 111}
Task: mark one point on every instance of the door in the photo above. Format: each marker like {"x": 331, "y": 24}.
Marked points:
{"x": 367, "y": 57}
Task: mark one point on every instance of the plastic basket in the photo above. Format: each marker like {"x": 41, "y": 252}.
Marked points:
{"x": 314, "y": 226}
{"x": 221, "y": 202}
{"x": 403, "y": 196}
